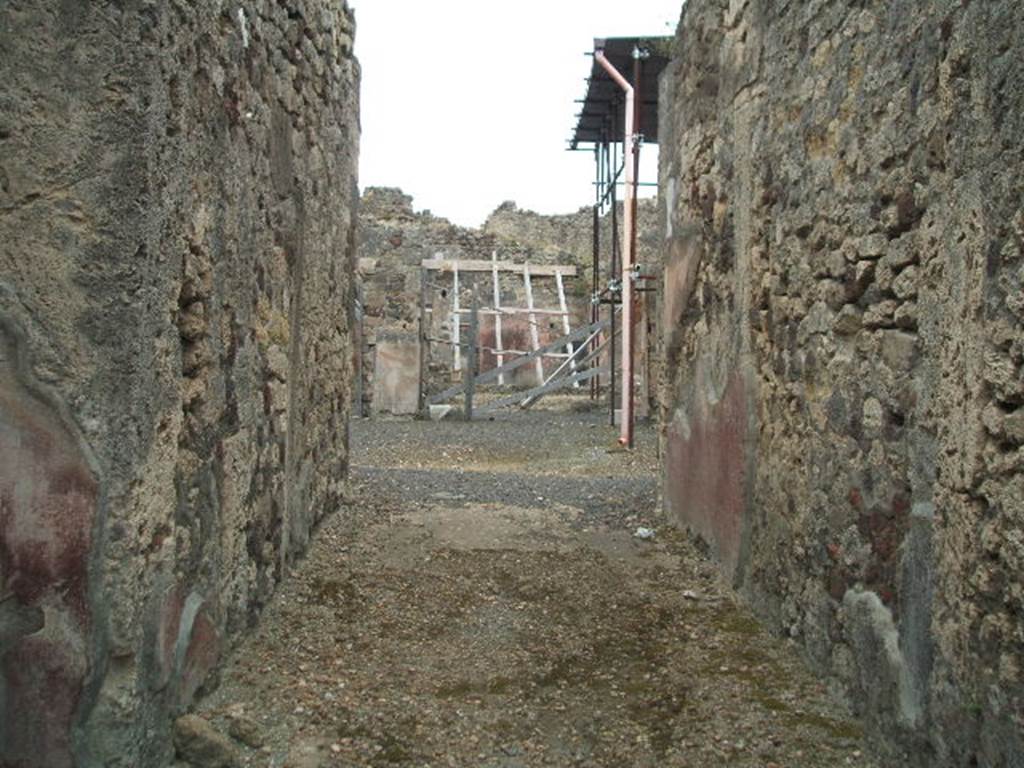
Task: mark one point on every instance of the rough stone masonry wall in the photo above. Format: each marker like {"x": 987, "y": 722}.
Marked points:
{"x": 843, "y": 402}
{"x": 571, "y": 235}
{"x": 176, "y": 251}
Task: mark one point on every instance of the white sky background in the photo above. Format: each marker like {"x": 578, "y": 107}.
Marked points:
{"x": 468, "y": 103}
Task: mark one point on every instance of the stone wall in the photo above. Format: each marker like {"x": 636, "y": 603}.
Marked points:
{"x": 176, "y": 252}
{"x": 843, "y": 399}
{"x": 571, "y": 235}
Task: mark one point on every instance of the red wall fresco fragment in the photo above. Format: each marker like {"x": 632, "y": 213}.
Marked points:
{"x": 48, "y": 501}
{"x": 706, "y": 475}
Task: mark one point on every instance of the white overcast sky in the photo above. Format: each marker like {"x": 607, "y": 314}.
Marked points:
{"x": 468, "y": 103}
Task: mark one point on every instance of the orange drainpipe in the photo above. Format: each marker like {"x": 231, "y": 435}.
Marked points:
{"x": 628, "y": 227}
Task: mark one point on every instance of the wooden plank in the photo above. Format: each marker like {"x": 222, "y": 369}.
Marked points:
{"x": 487, "y": 376}
{"x": 582, "y": 364}
{"x": 499, "y": 358}
{"x": 527, "y": 310}
{"x": 544, "y": 389}
{"x": 517, "y": 311}
{"x": 471, "y": 361}
{"x": 565, "y": 323}
{"x": 487, "y": 265}
{"x": 570, "y": 360}
{"x": 534, "y": 334}
{"x": 424, "y": 341}
{"x": 557, "y": 355}
{"x": 456, "y": 323}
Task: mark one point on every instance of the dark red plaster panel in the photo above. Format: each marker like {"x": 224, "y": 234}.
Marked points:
{"x": 706, "y": 472}
{"x": 48, "y": 499}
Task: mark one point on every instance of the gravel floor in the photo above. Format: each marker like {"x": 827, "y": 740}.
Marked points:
{"x": 485, "y": 602}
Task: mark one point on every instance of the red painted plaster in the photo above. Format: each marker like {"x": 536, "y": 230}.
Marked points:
{"x": 706, "y": 474}
{"x": 48, "y": 499}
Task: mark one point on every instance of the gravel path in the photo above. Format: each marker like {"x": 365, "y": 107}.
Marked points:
{"x": 484, "y": 602}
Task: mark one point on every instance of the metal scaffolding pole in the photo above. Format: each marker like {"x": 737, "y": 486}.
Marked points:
{"x": 595, "y": 383}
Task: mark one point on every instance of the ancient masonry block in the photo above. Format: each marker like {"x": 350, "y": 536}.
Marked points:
{"x": 176, "y": 258}
{"x": 843, "y": 337}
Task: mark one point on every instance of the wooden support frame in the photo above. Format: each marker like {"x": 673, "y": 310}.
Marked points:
{"x": 578, "y": 335}
{"x": 583, "y": 361}
{"x": 424, "y": 349}
{"x": 458, "y": 268}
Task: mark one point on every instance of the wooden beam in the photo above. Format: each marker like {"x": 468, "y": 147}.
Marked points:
{"x": 517, "y": 311}
{"x": 582, "y": 363}
{"x": 456, "y": 324}
{"x": 500, "y": 358}
{"x": 487, "y": 265}
{"x": 469, "y": 374}
{"x": 534, "y": 333}
{"x": 565, "y": 323}
{"x": 569, "y": 360}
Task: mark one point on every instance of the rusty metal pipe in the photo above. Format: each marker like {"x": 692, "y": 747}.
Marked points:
{"x": 628, "y": 227}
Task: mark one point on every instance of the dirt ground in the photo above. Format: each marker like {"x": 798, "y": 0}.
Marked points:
{"x": 486, "y": 602}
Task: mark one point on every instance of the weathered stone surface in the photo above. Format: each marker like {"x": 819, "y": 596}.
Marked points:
{"x": 396, "y": 376}
{"x": 245, "y": 729}
{"x": 203, "y": 746}
{"x": 572, "y": 234}
{"x": 870, "y": 501}
{"x": 176, "y": 246}
{"x": 309, "y": 752}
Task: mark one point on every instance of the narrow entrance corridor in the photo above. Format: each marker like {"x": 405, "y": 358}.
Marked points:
{"x": 485, "y": 601}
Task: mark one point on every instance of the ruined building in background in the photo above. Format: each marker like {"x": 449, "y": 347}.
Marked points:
{"x": 395, "y": 242}
{"x": 176, "y": 251}
{"x": 843, "y": 397}
{"x": 408, "y": 262}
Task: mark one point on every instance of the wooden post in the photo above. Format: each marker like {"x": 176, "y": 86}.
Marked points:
{"x": 424, "y": 341}
{"x": 565, "y": 324}
{"x": 500, "y": 358}
{"x": 456, "y": 322}
{"x": 534, "y": 336}
{"x": 469, "y": 372}
{"x": 360, "y": 342}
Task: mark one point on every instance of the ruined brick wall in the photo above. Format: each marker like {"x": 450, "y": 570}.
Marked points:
{"x": 176, "y": 252}
{"x": 843, "y": 398}
{"x": 571, "y": 235}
